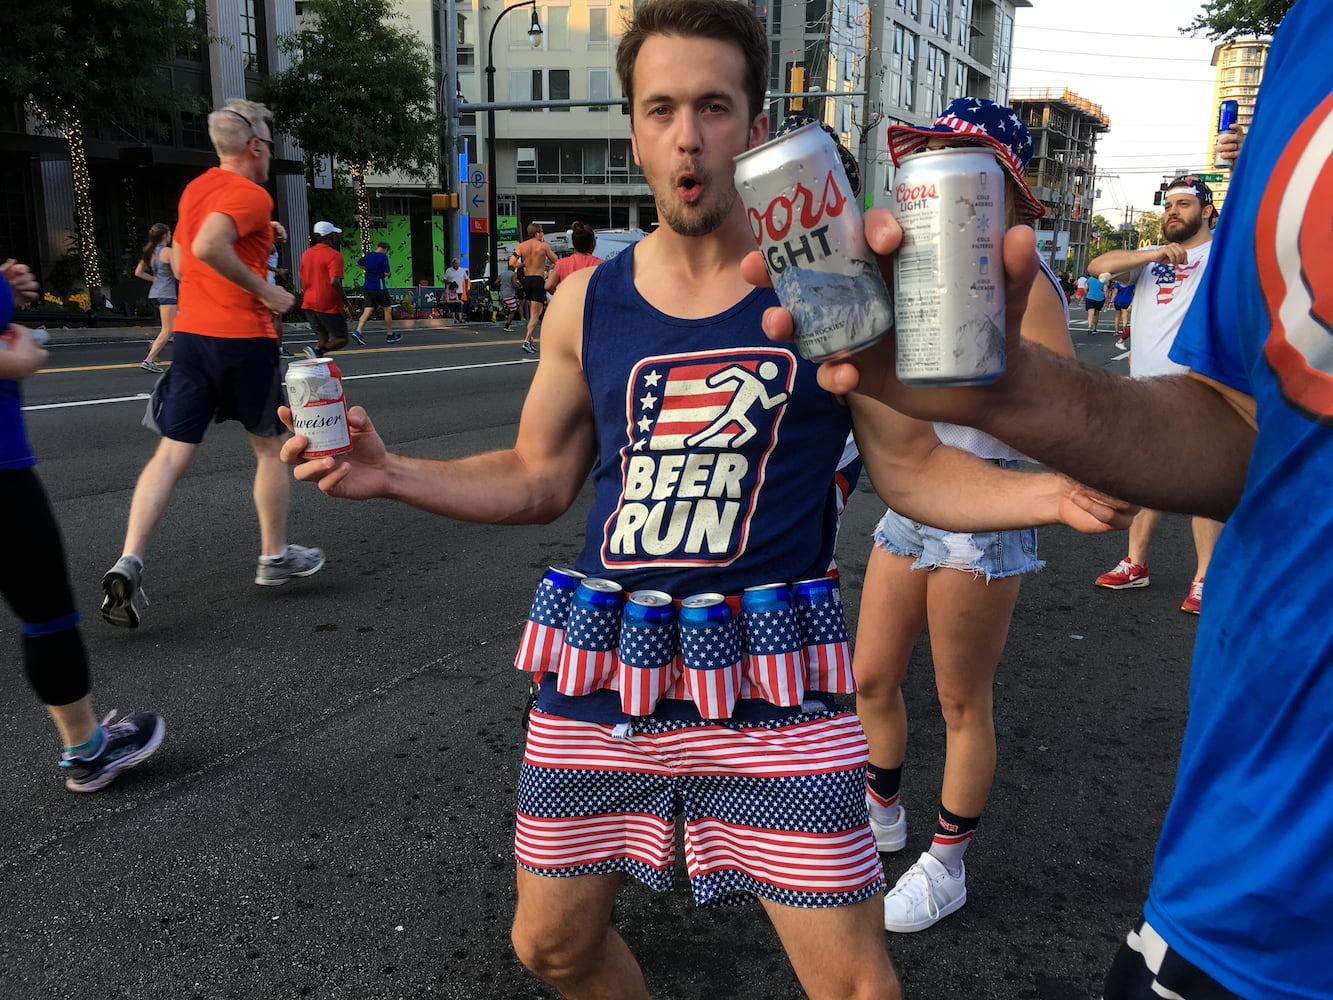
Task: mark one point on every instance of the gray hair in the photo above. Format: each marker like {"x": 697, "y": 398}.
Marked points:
{"x": 231, "y": 126}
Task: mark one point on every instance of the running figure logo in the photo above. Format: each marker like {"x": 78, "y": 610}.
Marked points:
{"x": 700, "y": 428}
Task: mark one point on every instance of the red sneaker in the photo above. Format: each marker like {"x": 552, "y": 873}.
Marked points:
{"x": 1192, "y": 603}
{"x": 1125, "y": 575}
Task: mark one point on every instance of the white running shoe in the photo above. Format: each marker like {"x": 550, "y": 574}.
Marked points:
{"x": 923, "y": 896}
{"x": 889, "y": 837}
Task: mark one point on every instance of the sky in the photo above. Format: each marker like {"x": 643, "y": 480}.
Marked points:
{"x": 1154, "y": 83}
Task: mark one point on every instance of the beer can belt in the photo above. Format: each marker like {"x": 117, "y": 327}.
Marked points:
{"x": 772, "y": 657}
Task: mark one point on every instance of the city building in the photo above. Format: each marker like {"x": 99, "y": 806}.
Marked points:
{"x": 138, "y": 170}
{"x": 928, "y": 53}
{"x": 1062, "y": 172}
{"x": 1239, "y": 68}
{"x": 561, "y": 140}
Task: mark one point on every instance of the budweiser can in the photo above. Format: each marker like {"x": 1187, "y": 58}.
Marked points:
{"x": 315, "y": 395}
{"x": 804, "y": 217}
{"x": 948, "y": 284}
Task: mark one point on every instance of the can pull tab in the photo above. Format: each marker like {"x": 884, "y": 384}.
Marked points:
{"x": 622, "y": 731}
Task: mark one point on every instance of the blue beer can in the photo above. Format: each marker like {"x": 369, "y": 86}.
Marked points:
{"x": 649, "y": 607}
{"x": 710, "y": 647}
{"x": 648, "y": 651}
{"x": 595, "y": 593}
{"x": 1227, "y": 114}
{"x": 769, "y": 597}
{"x": 562, "y": 577}
{"x": 814, "y": 592}
{"x": 702, "y": 610}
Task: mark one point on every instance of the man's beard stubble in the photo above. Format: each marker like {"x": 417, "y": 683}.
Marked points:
{"x": 1183, "y": 230}
{"x": 695, "y": 220}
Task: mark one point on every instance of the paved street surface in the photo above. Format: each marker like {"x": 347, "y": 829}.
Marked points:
{"x": 330, "y": 815}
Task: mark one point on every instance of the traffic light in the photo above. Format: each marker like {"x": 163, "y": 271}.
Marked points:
{"x": 795, "y": 85}
{"x": 446, "y": 202}
{"x": 1160, "y": 194}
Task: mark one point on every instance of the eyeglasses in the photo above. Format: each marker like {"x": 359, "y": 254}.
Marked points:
{"x": 253, "y": 133}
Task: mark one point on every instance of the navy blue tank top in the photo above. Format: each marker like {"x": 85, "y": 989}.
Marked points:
{"x": 716, "y": 448}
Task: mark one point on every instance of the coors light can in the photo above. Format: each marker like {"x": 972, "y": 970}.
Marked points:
{"x": 315, "y": 395}
{"x": 804, "y": 217}
{"x": 948, "y": 283}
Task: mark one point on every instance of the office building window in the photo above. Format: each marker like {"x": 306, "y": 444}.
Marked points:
{"x": 253, "y": 37}
{"x": 558, "y": 86}
{"x": 599, "y": 32}
{"x": 599, "y": 88}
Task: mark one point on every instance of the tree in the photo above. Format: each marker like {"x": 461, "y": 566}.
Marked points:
{"x": 1150, "y": 228}
{"x": 1226, "y": 20}
{"x": 1102, "y": 236}
{"x": 73, "y": 63}
{"x": 361, "y": 90}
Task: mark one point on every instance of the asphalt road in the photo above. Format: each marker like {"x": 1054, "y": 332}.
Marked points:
{"x": 330, "y": 815}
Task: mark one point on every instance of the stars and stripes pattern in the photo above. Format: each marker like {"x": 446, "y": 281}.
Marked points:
{"x": 544, "y": 631}
{"x": 778, "y": 656}
{"x": 713, "y": 666}
{"x": 775, "y": 810}
{"x": 773, "y": 643}
{"x": 828, "y": 659}
{"x": 588, "y": 657}
{"x": 648, "y": 665}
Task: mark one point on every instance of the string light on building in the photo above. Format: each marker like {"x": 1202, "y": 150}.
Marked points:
{"x": 70, "y": 128}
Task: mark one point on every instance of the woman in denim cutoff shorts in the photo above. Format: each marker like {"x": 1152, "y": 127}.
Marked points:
{"x": 962, "y": 586}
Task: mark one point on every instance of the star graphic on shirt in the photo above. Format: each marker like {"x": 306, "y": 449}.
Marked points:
{"x": 648, "y": 401}
{"x": 651, "y": 379}
{"x": 645, "y": 425}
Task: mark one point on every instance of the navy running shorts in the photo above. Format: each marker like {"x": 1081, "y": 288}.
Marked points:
{"x": 215, "y": 379}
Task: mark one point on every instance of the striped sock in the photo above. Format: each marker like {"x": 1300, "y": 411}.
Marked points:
{"x": 952, "y": 835}
{"x": 883, "y": 785}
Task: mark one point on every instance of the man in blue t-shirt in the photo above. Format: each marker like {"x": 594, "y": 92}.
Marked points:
{"x": 376, "y": 284}
{"x": 1124, "y": 298}
{"x": 1241, "y": 902}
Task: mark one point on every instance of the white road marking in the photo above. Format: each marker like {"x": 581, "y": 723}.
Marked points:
{"x": 140, "y": 397}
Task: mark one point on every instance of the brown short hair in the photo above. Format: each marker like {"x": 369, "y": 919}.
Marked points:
{"x": 724, "y": 20}
{"x": 534, "y": 228}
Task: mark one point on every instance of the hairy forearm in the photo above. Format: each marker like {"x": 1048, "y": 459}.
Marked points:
{"x": 945, "y": 487}
{"x": 497, "y": 487}
{"x": 1118, "y": 261}
{"x": 1171, "y": 443}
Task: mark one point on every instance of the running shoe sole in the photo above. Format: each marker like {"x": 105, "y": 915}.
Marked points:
{"x": 118, "y": 606}
{"x": 280, "y": 580}
{"x": 1132, "y": 585}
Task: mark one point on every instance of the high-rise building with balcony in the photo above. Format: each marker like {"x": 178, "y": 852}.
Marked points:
{"x": 1062, "y": 171}
{"x": 928, "y": 53}
{"x": 1239, "y": 67}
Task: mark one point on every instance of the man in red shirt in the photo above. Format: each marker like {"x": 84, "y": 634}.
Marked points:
{"x": 225, "y": 356}
{"x": 323, "y": 299}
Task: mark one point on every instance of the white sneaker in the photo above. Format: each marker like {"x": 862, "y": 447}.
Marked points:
{"x": 923, "y": 896}
{"x": 889, "y": 837}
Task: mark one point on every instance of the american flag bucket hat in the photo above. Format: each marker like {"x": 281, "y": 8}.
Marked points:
{"x": 987, "y": 124}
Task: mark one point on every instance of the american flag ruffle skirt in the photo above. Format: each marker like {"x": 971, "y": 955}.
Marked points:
{"x": 776, "y": 655}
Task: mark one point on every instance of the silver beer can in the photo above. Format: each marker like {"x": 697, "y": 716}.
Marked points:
{"x": 948, "y": 281}
{"x": 319, "y": 411}
{"x": 807, "y": 224}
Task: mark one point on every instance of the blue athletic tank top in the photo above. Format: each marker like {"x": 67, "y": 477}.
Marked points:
{"x": 716, "y": 448}
{"x": 15, "y": 452}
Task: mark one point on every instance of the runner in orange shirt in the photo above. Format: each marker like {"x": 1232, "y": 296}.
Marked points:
{"x": 225, "y": 358}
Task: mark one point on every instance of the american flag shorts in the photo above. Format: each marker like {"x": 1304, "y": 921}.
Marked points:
{"x": 774, "y": 810}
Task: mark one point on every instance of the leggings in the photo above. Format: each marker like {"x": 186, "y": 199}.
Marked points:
{"x": 35, "y": 583}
